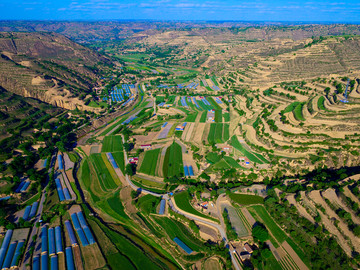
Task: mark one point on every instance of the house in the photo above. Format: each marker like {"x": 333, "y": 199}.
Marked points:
{"x": 244, "y": 256}
{"x": 181, "y": 127}
{"x": 204, "y": 205}
{"x": 145, "y": 146}
{"x": 248, "y": 248}
{"x": 226, "y": 148}
{"x": 133, "y": 160}
{"x": 244, "y": 160}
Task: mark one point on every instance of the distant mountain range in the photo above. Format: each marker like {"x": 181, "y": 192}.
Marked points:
{"x": 91, "y": 31}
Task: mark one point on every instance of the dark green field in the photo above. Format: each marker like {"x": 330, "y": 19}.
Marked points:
{"x": 245, "y": 199}
{"x": 173, "y": 164}
{"x": 112, "y": 144}
{"x": 148, "y": 165}
{"x": 219, "y": 133}
{"x": 119, "y": 159}
{"x": 191, "y": 117}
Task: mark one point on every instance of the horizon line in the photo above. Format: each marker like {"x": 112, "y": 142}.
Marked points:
{"x": 198, "y": 21}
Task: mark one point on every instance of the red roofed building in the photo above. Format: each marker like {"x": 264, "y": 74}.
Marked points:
{"x": 145, "y": 146}
{"x": 133, "y": 160}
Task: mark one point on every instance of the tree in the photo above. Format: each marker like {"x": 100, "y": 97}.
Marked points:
{"x": 130, "y": 169}
{"x": 327, "y": 91}
{"x": 260, "y": 232}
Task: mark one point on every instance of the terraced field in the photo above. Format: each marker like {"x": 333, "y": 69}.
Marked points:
{"x": 174, "y": 229}
{"x": 244, "y": 199}
{"x": 257, "y": 158}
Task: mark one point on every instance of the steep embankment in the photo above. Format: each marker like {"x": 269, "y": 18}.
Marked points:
{"x": 49, "y": 67}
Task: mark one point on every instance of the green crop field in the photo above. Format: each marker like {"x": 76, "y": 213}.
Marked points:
{"x": 148, "y": 165}
{"x": 226, "y": 163}
{"x": 173, "y": 163}
{"x": 245, "y": 199}
{"x": 218, "y": 116}
{"x": 320, "y": 103}
{"x": 112, "y": 144}
{"x": 191, "y": 117}
{"x": 232, "y": 162}
{"x": 135, "y": 251}
{"x": 113, "y": 207}
{"x": 291, "y": 107}
{"x": 221, "y": 165}
{"x": 184, "y": 110}
{"x": 204, "y": 106}
{"x": 213, "y": 79}
{"x": 148, "y": 203}
{"x": 149, "y": 183}
{"x": 212, "y": 157}
{"x": 182, "y": 200}
{"x": 269, "y": 222}
{"x": 175, "y": 228}
{"x": 152, "y": 189}
{"x": 159, "y": 99}
{"x": 213, "y": 103}
{"x": 235, "y": 143}
{"x": 88, "y": 179}
{"x": 171, "y": 100}
{"x": 298, "y": 112}
{"x": 226, "y": 117}
{"x": 226, "y": 134}
{"x": 203, "y": 117}
{"x": 106, "y": 180}
{"x": 275, "y": 229}
{"x": 119, "y": 159}
{"x": 218, "y": 133}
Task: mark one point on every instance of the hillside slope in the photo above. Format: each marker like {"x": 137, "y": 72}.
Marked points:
{"x": 49, "y": 67}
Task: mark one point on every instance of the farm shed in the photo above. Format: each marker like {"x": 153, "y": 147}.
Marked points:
{"x": 17, "y": 253}
{"x": 61, "y": 162}
{"x": 36, "y": 263}
{"x": 33, "y": 209}
{"x": 58, "y": 240}
{"x": 9, "y": 255}
{"x": 27, "y": 212}
{"x": 182, "y": 245}
{"x": 162, "y": 207}
{"x": 54, "y": 263}
{"x": 44, "y": 240}
{"x": 71, "y": 233}
{"x": 5, "y": 245}
{"x": 44, "y": 262}
{"x": 51, "y": 239}
{"x": 69, "y": 259}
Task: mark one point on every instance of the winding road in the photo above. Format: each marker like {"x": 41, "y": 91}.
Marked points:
{"x": 171, "y": 201}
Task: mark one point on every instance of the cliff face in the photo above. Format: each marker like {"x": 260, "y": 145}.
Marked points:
{"x": 44, "y": 65}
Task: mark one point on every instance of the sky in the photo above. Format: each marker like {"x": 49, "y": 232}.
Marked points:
{"x": 251, "y": 10}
